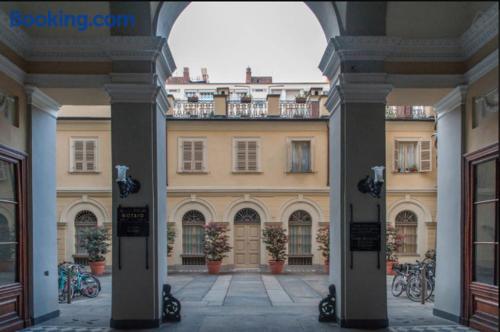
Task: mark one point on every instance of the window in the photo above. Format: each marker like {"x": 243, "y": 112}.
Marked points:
{"x": 83, "y": 155}
{"x": 406, "y": 226}
{"x": 193, "y": 238}
{"x": 192, "y": 155}
{"x": 84, "y": 221}
{"x": 300, "y": 157}
{"x": 485, "y": 223}
{"x": 207, "y": 96}
{"x": 412, "y": 156}
{"x": 299, "y": 245}
{"x": 246, "y": 155}
{"x": 247, "y": 216}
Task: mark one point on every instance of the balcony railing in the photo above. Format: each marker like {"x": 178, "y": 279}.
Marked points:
{"x": 253, "y": 109}
{"x": 409, "y": 112}
{"x": 200, "y": 109}
{"x": 294, "y": 110}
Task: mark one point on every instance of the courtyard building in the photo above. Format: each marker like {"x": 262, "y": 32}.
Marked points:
{"x": 412, "y": 87}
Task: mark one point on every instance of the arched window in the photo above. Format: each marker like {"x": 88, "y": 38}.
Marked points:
{"x": 193, "y": 237}
{"x": 247, "y": 216}
{"x": 84, "y": 220}
{"x": 299, "y": 244}
{"x": 406, "y": 226}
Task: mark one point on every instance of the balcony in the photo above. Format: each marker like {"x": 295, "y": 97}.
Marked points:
{"x": 255, "y": 109}
{"x": 294, "y": 110}
{"x": 409, "y": 112}
{"x": 200, "y": 109}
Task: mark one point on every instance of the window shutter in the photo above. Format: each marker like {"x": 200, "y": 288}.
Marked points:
{"x": 90, "y": 155}
{"x": 425, "y": 156}
{"x": 252, "y": 156}
{"x": 198, "y": 155}
{"x": 240, "y": 154}
{"x": 187, "y": 155}
{"x": 396, "y": 157}
{"x": 78, "y": 155}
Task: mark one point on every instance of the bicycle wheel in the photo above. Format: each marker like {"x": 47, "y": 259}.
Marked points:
{"x": 398, "y": 285}
{"x": 90, "y": 286}
{"x": 414, "y": 289}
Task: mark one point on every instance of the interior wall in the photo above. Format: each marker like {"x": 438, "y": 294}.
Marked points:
{"x": 11, "y": 136}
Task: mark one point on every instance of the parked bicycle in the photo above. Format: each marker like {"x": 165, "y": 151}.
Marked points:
{"x": 409, "y": 279}
{"x": 81, "y": 282}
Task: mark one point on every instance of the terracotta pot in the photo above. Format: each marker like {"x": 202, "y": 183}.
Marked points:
{"x": 97, "y": 268}
{"x": 326, "y": 267}
{"x": 276, "y": 267}
{"x": 213, "y": 267}
{"x": 388, "y": 265}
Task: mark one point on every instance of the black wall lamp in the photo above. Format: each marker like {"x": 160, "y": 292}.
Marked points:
{"x": 373, "y": 185}
{"x": 127, "y": 184}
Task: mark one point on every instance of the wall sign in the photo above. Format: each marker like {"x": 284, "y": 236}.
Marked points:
{"x": 133, "y": 221}
{"x": 365, "y": 236}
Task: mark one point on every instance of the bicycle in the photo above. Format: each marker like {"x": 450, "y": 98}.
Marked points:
{"x": 414, "y": 285}
{"x": 400, "y": 280}
{"x": 81, "y": 283}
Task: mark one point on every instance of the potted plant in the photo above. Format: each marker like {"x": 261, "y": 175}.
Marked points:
{"x": 275, "y": 240}
{"x": 413, "y": 168}
{"x": 323, "y": 239}
{"x": 301, "y": 97}
{"x": 95, "y": 242}
{"x": 246, "y": 99}
{"x": 216, "y": 246}
{"x": 170, "y": 240}
{"x": 193, "y": 99}
{"x": 393, "y": 242}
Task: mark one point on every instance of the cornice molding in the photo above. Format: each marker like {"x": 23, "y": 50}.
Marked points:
{"x": 11, "y": 70}
{"x": 482, "y": 30}
{"x": 41, "y": 101}
{"x": 482, "y": 68}
{"x": 67, "y": 80}
{"x": 132, "y": 92}
{"x": 451, "y": 101}
{"x": 224, "y": 189}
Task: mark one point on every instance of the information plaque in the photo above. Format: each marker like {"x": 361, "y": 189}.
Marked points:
{"x": 133, "y": 221}
{"x": 365, "y": 236}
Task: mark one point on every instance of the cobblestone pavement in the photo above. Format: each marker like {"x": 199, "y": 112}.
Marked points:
{"x": 245, "y": 302}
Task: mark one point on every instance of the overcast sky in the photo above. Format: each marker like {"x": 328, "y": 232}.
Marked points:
{"x": 282, "y": 39}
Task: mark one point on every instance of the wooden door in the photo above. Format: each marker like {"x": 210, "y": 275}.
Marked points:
{"x": 247, "y": 245}
{"x": 13, "y": 244}
{"x": 481, "y": 264}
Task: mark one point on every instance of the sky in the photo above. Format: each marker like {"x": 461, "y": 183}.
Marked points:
{"x": 279, "y": 39}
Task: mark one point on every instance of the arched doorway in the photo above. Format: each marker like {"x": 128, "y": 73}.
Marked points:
{"x": 247, "y": 238}
{"x": 300, "y": 238}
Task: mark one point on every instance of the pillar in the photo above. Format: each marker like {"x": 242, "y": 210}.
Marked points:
{"x": 138, "y": 137}
{"x": 42, "y": 220}
{"x": 357, "y": 143}
{"x": 450, "y": 115}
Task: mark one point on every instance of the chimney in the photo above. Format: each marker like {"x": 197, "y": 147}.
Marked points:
{"x": 185, "y": 75}
{"x": 204, "y": 75}
{"x": 248, "y": 78}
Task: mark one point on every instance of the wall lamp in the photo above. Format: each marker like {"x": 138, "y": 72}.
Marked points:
{"x": 126, "y": 183}
{"x": 373, "y": 185}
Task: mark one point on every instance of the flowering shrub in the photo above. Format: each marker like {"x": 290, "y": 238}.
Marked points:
{"x": 393, "y": 241}
{"x": 216, "y": 241}
{"x": 323, "y": 238}
{"x": 95, "y": 242}
{"x": 170, "y": 240}
{"x": 275, "y": 240}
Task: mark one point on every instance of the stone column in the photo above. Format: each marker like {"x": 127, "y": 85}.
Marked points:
{"x": 450, "y": 114}
{"x": 356, "y": 103}
{"x": 138, "y": 137}
{"x": 42, "y": 114}
{"x": 357, "y": 143}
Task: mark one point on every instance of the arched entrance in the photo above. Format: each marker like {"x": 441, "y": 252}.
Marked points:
{"x": 247, "y": 238}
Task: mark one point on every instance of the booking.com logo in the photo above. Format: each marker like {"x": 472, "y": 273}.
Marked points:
{"x": 60, "y": 19}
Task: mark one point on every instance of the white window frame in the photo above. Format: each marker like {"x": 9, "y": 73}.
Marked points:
{"x": 289, "y": 141}
{"x": 72, "y": 168}
{"x": 418, "y": 160}
{"x": 259, "y": 153}
{"x": 180, "y": 154}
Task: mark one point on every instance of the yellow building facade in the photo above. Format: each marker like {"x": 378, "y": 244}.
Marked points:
{"x": 246, "y": 172}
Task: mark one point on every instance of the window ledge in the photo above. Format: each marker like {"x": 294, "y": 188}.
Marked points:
{"x": 305, "y": 172}
{"x": 247, "y": 172}
{"x": 192, "y": 172}
{"x": 84, "y": 172}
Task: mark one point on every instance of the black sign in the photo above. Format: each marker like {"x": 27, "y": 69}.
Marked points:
{"x": 365, "y": 236}
{"x": 133, "y": 221}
